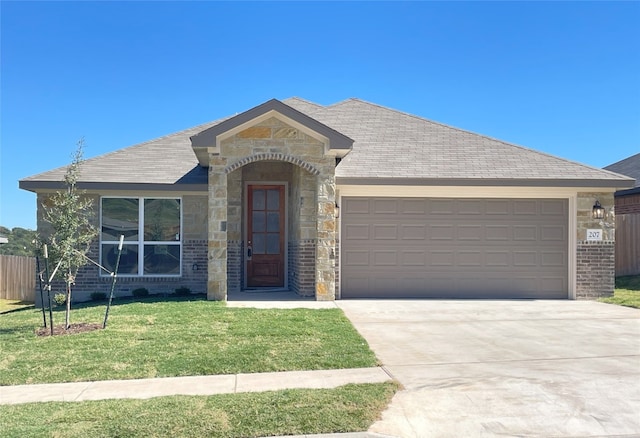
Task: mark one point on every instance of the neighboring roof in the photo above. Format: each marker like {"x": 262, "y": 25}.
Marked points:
{"x": 630, "y": 167}
{"x": 390, "y": 147}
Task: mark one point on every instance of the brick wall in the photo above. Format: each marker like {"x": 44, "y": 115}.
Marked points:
{"x": 302, "y": 265}
{"x": 235, "y": 265}
{"x": 337, "y": 253}
{"x": 90, "y": 280}
{"x": 595, "y": 269}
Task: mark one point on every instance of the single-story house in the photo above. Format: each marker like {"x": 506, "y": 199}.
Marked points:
{"x": 627, "y": 218}
{"x": 349, "y": 200}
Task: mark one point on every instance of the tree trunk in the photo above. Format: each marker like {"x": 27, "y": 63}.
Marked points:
{"x": 66, "y": 321}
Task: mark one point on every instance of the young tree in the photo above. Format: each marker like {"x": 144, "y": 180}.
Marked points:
{"x": 69, "y": 214}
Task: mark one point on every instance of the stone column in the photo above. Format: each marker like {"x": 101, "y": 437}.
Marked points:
{"x": 325, "y": 247}
{"x": 217, "y": 249}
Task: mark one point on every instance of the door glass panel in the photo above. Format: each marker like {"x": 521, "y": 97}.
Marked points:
{"x": 273, "y": 243}
{"x": 258, "y": 243}
{"x": 273, "y": 221}
{"x": 258, "y": 199}
{"x": 258, "y": 218}
{"x": 273, "y": 199}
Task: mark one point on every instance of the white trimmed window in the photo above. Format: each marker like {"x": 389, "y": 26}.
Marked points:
{"x": 152, "y": 229}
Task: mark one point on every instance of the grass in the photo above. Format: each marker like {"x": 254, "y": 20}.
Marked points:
{"x": 178, "y": 337}
{"x": 349, "y": 408}
{"x": 11, "y": 305}
{"x": 627, "y": 292}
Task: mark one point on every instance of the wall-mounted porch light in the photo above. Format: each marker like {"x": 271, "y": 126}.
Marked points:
{"x": 598, "y": 211}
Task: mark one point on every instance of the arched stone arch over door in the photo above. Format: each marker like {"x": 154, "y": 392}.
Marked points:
{"x": 268, "y": 154}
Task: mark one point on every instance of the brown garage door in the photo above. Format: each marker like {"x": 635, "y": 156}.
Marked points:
{"x": 454, "y": 248}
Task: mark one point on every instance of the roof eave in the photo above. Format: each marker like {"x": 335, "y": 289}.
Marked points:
{"x": 485, "y": 182}
{"x": 36, "y": 186}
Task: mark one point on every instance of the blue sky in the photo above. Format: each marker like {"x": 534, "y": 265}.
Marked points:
{"x": 563, "y": 78}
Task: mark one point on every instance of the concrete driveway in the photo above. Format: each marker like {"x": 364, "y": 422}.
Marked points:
{"x": 505, "y": 368}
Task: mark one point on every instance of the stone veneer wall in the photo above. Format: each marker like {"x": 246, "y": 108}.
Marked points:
{"x": 595, "y": 261}
{"x": 252, "y": 152}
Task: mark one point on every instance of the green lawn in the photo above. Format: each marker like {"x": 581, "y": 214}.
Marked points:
{"x": 11, "y": 305}
{"x": 349, "y": 408}
{"x": 178, "y": 337}
{"x": 627, "y": 292}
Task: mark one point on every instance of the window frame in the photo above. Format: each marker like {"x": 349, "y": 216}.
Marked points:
{"x": 141, "y": 242}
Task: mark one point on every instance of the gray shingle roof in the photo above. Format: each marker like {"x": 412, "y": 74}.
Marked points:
{"x": 390, "y": 147}
{"x": 167, "y": 160}
{"x": 629, "y": 166}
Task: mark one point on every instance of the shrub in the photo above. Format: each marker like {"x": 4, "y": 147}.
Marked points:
{"x": 98, "y": 296}
{"x": 140, "y": 292}
{"x": 182, "y": 291}
{"x": 60, "y": 299}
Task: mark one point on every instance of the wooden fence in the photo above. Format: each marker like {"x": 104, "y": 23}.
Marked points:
{"x": 627, "y": 244}
{"x": 17, "y": 278}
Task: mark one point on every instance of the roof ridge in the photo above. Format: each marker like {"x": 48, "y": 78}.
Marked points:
{"x": 466, "y": 131}
{"x": 303, "y": 100}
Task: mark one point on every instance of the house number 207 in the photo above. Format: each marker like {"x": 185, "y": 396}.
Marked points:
{"x": 594, "y": 235}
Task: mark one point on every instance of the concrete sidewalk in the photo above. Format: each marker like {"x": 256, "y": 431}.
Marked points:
{"x": 191, "y": 385}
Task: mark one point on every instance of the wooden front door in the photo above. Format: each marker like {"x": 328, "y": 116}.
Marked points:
{"x": 265, "y": 236}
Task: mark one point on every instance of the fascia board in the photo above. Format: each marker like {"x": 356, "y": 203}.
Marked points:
{"x": 609, "y": 185}
{"x": 38, "y": 186}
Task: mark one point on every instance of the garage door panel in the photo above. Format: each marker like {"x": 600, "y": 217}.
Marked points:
{"x": 412, "y": 259}
{"x": 553, "y": 233}
{"x": 356, "y": 232}
{"x": 525, "y": 232}
{"x": 498, "y": 248}
{"x": 498, "y": 232}
{"x": 385, "y": 258}
{"x": 470, "y": 232}
{"x": 526, "y": 208}
{"x": 553, "y": 208}
{"x": 498, "y": 259}
{"x": 385, "y": 206}
{"x": 356, "y": 258}
{"x": 441, "y": 206}
{"x": 470, "y": 207}
{"x": 413, "y": 232}
{"x": 385, "y": 232}
{"x": 413, "y": 206}
{"x": 498, "y": 207}
{"x": 441, "y": 232}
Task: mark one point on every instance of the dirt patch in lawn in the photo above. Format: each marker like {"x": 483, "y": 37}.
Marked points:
{"x": 81, "y": 327}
